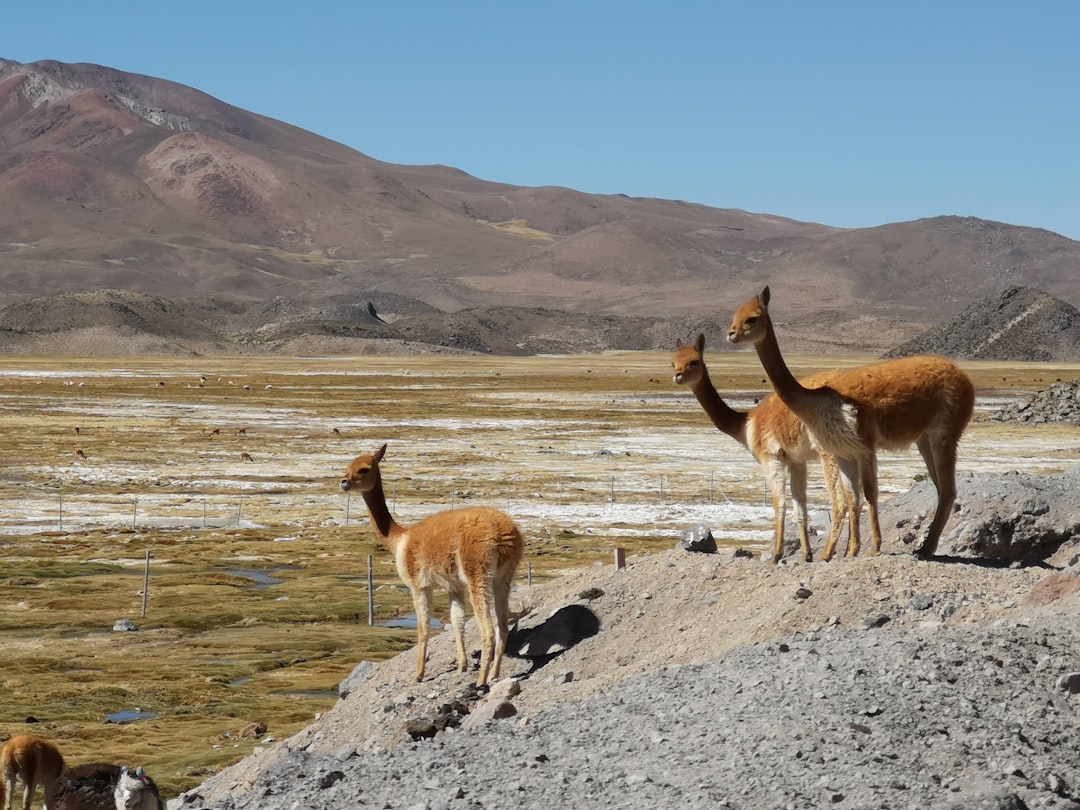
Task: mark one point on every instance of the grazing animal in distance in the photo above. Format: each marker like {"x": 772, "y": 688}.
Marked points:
{"x": 80, "y": 454}
{"x": 476, "y": 548}
{"x": 33, "y": 761}
{"x": 246, "y": 457}
{"x": 103, "y": 786}
{"x": 923, "y": 399}
{"x": 777, "y": 440}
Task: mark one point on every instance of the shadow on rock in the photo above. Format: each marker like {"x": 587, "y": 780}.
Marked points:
{"x": 983, "y": 562}
{"x": 559, "y": 632}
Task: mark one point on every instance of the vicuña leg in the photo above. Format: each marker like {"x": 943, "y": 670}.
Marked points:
{"x": 776, "y": 480}
{"x": 870, "y": 493}
{"x": 942, "y": 467}
{"x": 457, "y": 622}
{"x": 422, "y": 606}
{"x": 798, "y": 495}
{"x": 480, "y": 593}
{"x": 851, "y": 473}
{"x": 501, "y": 597}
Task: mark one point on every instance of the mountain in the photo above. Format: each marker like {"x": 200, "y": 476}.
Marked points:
{"x": 1020, "y": 323}
{"x": 116, "y": 181}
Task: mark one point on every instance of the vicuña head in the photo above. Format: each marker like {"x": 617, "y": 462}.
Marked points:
{"x": 926, "y": 400}
{"x": 475, "y": 549}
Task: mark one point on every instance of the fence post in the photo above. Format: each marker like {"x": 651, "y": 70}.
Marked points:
{"x": 370, "y": 593}
{"x": 620, "y": 559}
{"x": 146, "y": 583}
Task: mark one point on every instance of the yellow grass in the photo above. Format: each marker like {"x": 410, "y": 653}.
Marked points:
{"x": 519, "y": 227}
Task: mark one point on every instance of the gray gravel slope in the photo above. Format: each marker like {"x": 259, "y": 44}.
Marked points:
{"x": 941, "y": 717}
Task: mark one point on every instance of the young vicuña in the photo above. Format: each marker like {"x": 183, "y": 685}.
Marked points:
{"x": 476, "y": 548}
{"x": 33, "y": 761}
{"x": 775, "y": 437}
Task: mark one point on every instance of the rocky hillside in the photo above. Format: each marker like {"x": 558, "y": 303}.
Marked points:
{"x": 1019, "y": 323}
{"x": 707, "y": 681}
{"x": 111, "y": 180}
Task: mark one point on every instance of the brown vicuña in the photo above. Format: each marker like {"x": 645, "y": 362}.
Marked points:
{"x": 33, "y": 761}
{"x": 924, "y": 399}
{"x": 477, "y": 548}
{"x": 775, "y": 437}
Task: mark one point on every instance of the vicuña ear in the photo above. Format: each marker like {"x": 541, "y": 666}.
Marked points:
{"x": 699, "y": 344}
{"x": 764, "y": 297}
{"x": 378, "y": 454}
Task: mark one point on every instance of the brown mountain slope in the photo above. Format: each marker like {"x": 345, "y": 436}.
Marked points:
{"x": 120, "y": 181}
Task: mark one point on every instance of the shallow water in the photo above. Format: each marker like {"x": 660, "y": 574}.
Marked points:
{"x": 123, "y": 718}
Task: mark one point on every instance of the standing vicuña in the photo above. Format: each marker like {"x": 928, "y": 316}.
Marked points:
{"x": 925, "y": 399}
{"x": 102, "y": 786}
{"x": 34, "y": 762}
{"x": 775, "y": 437}
{"x": 476, "y": 548}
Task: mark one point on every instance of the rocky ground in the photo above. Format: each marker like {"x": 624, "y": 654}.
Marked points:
{"x": 719, "y": 680}
{"x": 1058, "y": 403}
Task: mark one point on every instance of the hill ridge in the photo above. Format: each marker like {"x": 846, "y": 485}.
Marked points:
{"x": 121, "y": 181}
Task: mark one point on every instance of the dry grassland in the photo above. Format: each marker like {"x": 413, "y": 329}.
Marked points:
{"x": 256, "y": 607}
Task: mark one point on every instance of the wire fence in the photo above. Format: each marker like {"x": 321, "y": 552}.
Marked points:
{"x": 64, "y": 511}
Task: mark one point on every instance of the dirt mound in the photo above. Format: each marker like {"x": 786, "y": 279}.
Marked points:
{"x": 1020, "y": 323}
{"x": 707, "y": 619}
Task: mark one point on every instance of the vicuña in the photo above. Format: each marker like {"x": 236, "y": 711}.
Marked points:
{"x": 33, "y": 761}
{"x": 476, "y": 548}
{"x": 924, "y": 399}
{"x": 775, "y": 437}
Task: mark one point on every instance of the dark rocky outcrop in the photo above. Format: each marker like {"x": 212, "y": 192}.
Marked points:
{"x": 1020, "y": 323}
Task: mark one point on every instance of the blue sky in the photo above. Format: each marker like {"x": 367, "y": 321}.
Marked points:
{"x": 852, "y": 114}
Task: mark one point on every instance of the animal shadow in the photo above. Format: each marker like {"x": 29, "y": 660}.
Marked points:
{"x": 544, "y": 642}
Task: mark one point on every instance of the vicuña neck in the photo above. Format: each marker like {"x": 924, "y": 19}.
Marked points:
{"x": 794, "y": 394}
{"x": 726, "y": 419}
{"x": 385, "y": 526}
